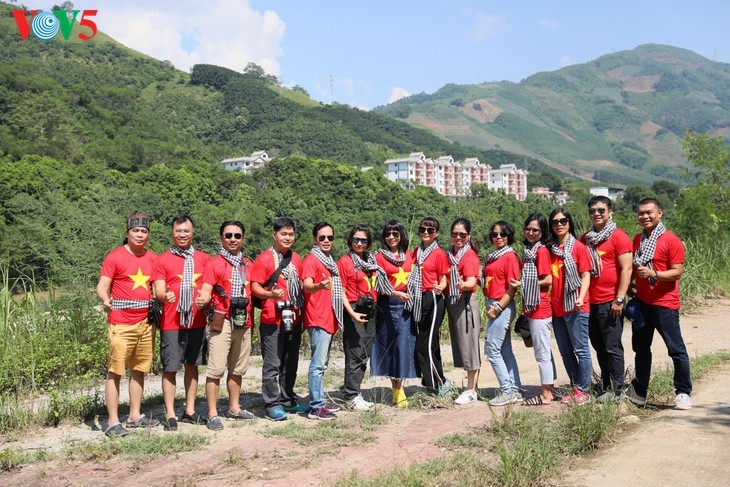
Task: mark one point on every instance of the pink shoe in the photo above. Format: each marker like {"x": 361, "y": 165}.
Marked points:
{"x": 576, "y": 396}
{"x": 568, "y": 398}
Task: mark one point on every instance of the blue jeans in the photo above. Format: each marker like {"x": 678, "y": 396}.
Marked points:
{"x": 498, "y": 349}
{"x": 320, "y": 342}
{"x": 571, "y": 333}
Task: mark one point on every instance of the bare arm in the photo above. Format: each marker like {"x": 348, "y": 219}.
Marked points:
{"x": 259, "y": 291}
{"x": 585, "y": 282}
{"x": 102, "y": 291}
{"x": 203, "y": 296}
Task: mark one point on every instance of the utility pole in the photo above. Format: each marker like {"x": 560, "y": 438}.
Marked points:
{"x": 332, "y": 88}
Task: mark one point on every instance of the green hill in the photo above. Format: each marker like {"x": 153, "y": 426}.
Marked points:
{"x": 618, "y": 119}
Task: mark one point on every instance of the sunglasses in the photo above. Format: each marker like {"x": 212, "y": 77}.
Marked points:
{"x": 498, "y": 235}
{"x": 593, "y": 211}
{"x": 229, "y": 236}
{"x": 559, "y": 221}
{"x": 392, "y": 233}
{"x": 358, "y": 240}
{"x": 322, "y": 238}
{"x": 428, "y": 230}
{"x": 459, "y": 235}
{"x": 532, "y": 230}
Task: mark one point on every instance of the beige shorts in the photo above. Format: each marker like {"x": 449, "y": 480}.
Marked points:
{"x": 228, "y": 350}
{"x": 131, "y": 346}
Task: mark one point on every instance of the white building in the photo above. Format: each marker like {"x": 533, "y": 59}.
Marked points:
{"x": 246, "y": 164}
{"x": 611, "y": 193}
{"x": 509, "y": 179}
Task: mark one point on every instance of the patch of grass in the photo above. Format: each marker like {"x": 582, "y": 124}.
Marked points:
{"x": 425, "y": 401}
{"x": 661, "y": 385}
{"x": 332, "y": 433}
{"x": 457, "y": 441}
{"x": 11, "y": 458}
{"x": 373, "y": 417}
{"x": 20, "y": 415}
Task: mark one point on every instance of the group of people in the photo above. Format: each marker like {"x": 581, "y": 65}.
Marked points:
{"x": 390, "y": 304}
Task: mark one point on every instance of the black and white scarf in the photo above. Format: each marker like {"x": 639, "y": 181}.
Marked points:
{"x": 238, "y": 281}
{"x": 185, "y": 300}
{"x": 369, "y": 264}
{"x": 454, "y": 277}
{"x": 396, "y": 259}
{"x": 329, "y": 263}
{"x": 647, "y": 246}
{"x": 570, "y": 271}
{"x": 131, "y": 303}
{"x": 530, "y": 280}
{"x": 291, "y": 275}
{"x": 593, "y": 240}
{"x": 415, "y": 281}
{"x": 491, "y": 257}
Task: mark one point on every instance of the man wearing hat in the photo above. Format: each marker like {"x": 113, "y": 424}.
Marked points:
{"x": 125, "y": 292}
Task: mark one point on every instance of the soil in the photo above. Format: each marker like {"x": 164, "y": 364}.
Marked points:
{"x": 665, "y": 448}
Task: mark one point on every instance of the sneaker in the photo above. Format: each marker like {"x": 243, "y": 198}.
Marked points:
{"x": 241, "y": 414}
{"x": 359, "y": 404}
{"x": 576, "y": 396}
{"x": 445, "y": 388}
{"x": 116, "y": 431}
{"x": 502, "y": 399}
{"x": 568, "y": 398}
{"x": 194, "y": 418}
{"x": 295, "y": 408}
{"x": 143, "y": 422}
{"x": 214, "y": 423}
{"x": 634, "y": 397}
{"x": 683, "y": 402}
{"x": 322, "y": 414}
{"x": 333, "y": 407}
{"x": 466, "y": 397}
{"x": 276, "y": 414}
{"x": 609, "y": 397}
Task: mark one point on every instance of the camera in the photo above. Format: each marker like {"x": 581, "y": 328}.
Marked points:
{"x": 239, "y": 302}
{"x": 365, "y": 305}
{"x": 287, "y": 315}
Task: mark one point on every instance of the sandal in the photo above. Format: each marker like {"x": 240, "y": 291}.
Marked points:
{"x": 116, "y": 431}
{"x": 170, "y": 424}
{"x": 535, "y": 401}
{"x": 143, "y": 422}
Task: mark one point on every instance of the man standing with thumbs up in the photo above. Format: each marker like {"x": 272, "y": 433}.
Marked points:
{"x": 176, "y": 275}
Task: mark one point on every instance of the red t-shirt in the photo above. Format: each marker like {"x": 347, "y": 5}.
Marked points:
{"x": 318, "y": 310}
{"x": 583, "y": 261}
{"x": 219, "y": 271}
{"x": 355, "y": 283}
{"x": 398, "y": 276}
{"x": 468, "y": 267}
{"x": 169, "y": 268}
{"x": 498, "y": 273}
{"x": 604, "y": 287}
{"x": 130, "y": 275}
{"x": 669, "y": 251}
{"x": 262, "y": 268}
{"x": 435, "y": 266}
{"x": 542, "y": 262}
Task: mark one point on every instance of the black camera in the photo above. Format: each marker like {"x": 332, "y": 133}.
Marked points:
{"x": 239, "y": 302}
{"x": 365, "y": 305}
{"x": 287, "y": 315}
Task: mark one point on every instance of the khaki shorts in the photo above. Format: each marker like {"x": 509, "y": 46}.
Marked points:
{"x": 230, "y": 349}
{"x": 131, "y": 346}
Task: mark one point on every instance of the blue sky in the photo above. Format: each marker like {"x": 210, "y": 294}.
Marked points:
{"x": 377, "y": 51}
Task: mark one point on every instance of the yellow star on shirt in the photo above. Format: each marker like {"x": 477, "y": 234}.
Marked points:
{"x": 140, "y": 280}
{"x": 601, "y": 252}
{"x": 195, "y": 278}
{"x": 370, "y": 280}
{"x": 487, "y": 280}
{"x": 556, "y": 269}
{"x": 401, "y": 277}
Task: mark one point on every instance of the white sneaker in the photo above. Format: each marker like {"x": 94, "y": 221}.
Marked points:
{"x": 634, "y": 397}
{"x": 466, "y": 397}
{"x": 682, "y": 401}
{"x": 359, "y": 404}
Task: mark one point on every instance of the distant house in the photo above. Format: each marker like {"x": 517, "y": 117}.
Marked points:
{"x": 543, "y": 192}
{"x": 246, "y": 164}
{"x": 612, "y": 193}
{"x": 510, "y": 179}
{"x": 562, "y": 198}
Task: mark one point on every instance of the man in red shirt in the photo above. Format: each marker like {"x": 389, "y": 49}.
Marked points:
{"x": 275, "y": 280}
{"x": 230, "y": 346}
{"x": 125, "y": 293}
{"x": 610, "y": 250}
{"x": 182, "y": 332}
{"x": 658, "y": 265}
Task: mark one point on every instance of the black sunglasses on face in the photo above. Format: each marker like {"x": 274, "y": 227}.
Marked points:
{"x": 328, "y": 237}
{"x": 498, "y": 235}
{"x": 559, "y": 221}
{"x": 593, "y": 211}
{"x": 358, "y": 240}
{"x": 229, "y": 236}
{"x": 428, "y": 230}
{"x": 459, "y": 234}
{"x": 392, "y": 233}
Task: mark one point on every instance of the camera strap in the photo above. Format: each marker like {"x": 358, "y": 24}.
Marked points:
{"x": 271, "y": 281}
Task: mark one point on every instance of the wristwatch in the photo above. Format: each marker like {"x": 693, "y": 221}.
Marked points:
{"x": 620, "y": 299}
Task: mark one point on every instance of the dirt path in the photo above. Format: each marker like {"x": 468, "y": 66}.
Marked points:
{"x": 671, "y": 448}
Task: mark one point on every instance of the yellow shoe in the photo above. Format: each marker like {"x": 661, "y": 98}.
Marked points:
{"x": 399, "y": 398}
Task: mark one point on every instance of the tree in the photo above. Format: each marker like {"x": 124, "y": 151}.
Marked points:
{"x": 635, "y": 193}
{"x": 255, "y": 71}
{"x": 711, "y": 158}
{"x": 667, "y": 188}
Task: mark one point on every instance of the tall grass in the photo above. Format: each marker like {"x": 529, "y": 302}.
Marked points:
{"x": 706, "y": 268}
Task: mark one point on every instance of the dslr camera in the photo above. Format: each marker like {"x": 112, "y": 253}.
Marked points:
{"x": 287, "y": 315}
{"x": 239, "y": 302}
{"x": 366, "y": 305}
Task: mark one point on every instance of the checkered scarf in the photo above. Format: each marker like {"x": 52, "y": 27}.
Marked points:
{"x": 415, "y": 280}
{"x": 131, "y": 303}
{"x": 369, "y": 264}
{"x": 593, "y": 240}
{"x": 185, "y": 302}
{"x": 329, "y": 263}
{"x": 570, "y": 271}
{"x": 491, "y": 257}
{"x": 238, "y": 281}
{"x": 395, "y": 259}
{"x": 647, "y": 247}
{"x": 530, "y": 280}
{"x": 292, "y": 281}
{"x": 454, "y": 277}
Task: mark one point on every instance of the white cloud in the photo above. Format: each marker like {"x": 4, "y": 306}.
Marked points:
{"x": 397, "y": 93}
{"x": 488, "y": 26}
{"x": 565, "y": 61}
{"x": 549, "y": 24}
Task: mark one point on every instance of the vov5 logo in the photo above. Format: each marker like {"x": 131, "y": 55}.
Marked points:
{"x": 45, "y": 25}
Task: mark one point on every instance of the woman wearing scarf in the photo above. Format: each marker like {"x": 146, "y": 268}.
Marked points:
{"x": 394, "y": 351}
{"x": 501, "y": 266}
{"x": 362, "y": 280}
{"x": 571, "y": 269}
{"x": 462, "y": 307}
{"x": 425, "y": 288}
{"x": 536, "y": 280}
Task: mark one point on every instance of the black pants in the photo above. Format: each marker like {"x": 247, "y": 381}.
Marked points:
{"x": 428, "y": 350}
{"x": 605, "y": 333}
{"x": 280, "y": 353}
{"x": 357, "y": 341}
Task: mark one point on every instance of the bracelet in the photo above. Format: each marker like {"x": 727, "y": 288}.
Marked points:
{"x": 656, "y": 275}
{"x": 499, "y": 307}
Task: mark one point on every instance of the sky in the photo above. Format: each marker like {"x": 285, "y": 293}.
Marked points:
{"x": 370, "y": 53}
